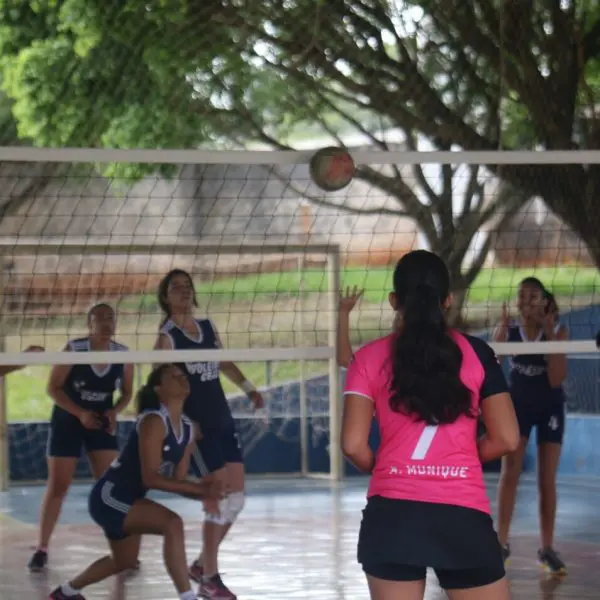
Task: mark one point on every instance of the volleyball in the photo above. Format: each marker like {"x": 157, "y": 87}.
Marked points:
{"x": 332, "y": 168}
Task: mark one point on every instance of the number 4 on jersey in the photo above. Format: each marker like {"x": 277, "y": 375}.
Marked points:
{"x": 424, "y": 442}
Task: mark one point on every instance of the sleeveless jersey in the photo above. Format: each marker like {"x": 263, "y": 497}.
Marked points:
{"x": 87, "y": 386}
{"x": 528, "y": 373}
{"x": 420, "y": 462}
{"x": 206, "y": 404}
{"x": 126, "y": 471}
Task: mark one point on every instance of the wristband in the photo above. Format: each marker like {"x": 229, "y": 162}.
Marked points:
{"x": 247, "y": 386}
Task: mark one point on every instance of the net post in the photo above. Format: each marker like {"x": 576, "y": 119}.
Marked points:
{"x": 335, "y": 404}
{"x": 4, "y": 434}
{"x": 304, "y": 422}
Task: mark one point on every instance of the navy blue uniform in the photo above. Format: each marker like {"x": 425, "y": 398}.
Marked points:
{"x": 92, "y": 390}
{"x": 206, "y": 404}
{"x": 121, "y": 486}
{"x": 537, "y": 404}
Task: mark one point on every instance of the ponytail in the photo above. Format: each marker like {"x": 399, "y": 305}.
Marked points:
{"x": 551, "y": 303}
{"x": 425, "y": 359}
{"x": 147, "y": 397}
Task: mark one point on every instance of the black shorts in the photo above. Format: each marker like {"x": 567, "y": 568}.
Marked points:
{"x": 67, "y": 437}
{"x": 547, "y": 418}
{"x": 215, "y": 449}
{"x": 399, "y": 539}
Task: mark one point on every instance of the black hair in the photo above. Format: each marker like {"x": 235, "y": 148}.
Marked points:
{"x": 163, "y": 289}
{"x": 533, "y": 281}
{"x": 95, "y": 307}
{"x": 551, "y": 303}
{"x": 147, "y": 398}
{"x": 426, "y": 361}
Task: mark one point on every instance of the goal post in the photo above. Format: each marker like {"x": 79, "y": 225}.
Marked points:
{"x": 180, "y": 253}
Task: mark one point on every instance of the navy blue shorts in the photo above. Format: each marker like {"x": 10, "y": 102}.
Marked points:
{"x": 548, "y": 419}
{"x": 67, "y": 438}
{"x": 216, "y": 449}
{"x": 109, "y": 504}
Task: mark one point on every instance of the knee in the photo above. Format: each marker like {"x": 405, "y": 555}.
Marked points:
{"x": 234, "y": 504}
{"x": 216, "y": 512}
{"x": 57, "y": 489}
{"x": 173, "y": 526}
{"x": 511, "y": 472}
{"x": 125, "y": 563}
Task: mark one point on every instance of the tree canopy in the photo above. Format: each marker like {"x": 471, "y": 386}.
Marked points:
{"x": 473, "y": 74}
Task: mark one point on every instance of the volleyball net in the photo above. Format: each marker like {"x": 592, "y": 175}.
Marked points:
{"x": 270, "y": 254}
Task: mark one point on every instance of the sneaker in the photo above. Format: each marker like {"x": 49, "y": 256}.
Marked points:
{"x": 58, "y": 594}
{"x": 215, "y": 589}
{"x": 506, "y": 553}
{"x": 551, "y": 562}
{"x": 196, "y": 572}
{"x": 38, "y": 561}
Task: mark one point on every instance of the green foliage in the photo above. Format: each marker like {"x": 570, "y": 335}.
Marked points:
{"x": 182, "y": 73}
{"x": 88, "y": 73}
{"x": 189, "y": 73}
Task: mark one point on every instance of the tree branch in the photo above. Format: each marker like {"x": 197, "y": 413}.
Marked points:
{"x": 417, "y": 170}
{"x": 398, "y": 188}
{"x": 320, "y": 201}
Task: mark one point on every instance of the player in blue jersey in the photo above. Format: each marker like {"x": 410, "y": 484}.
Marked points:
{"x": 219, "y": 451}
{"x": 536, "y": 389}
{"x": 156, "y": 456}
{"x": 84, "y": 417}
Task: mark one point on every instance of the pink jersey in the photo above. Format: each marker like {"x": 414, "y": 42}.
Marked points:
{"x": 415, "y": 461}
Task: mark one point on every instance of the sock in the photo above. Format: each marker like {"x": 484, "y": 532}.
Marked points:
{"x": 42, "y": 549}
{"x": 189, "y": 595}
{"x": 69, "y": 591}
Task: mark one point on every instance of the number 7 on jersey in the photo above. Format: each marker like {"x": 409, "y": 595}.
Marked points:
{"x": 424, "y": 442}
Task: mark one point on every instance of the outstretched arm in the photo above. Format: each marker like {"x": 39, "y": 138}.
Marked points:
{"x": 6, "y": 369}
{"x": 557, "y": 363}
{"x": 344, "y": 346}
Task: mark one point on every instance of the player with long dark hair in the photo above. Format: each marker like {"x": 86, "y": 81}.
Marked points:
{"x": 84, "y": 417}
{"x": 156, "y": 456}
{"x": 219, "y": 450}
{"x": 535, "y": 382}
{"x": 427, "y": 503}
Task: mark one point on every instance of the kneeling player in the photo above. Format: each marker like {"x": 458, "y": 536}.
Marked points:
{"x": 156, "y": 456}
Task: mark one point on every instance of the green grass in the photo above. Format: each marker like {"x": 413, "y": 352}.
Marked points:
{"x": 492, "y": 285}
{"x": 262, "y": 310}
{"x": 28, "y": 401}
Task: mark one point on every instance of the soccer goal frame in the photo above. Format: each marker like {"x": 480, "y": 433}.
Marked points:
{"x": 10, "y": 247}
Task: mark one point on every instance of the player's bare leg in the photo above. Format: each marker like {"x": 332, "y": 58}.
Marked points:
{"x": 60, "y": 476}
{"x": 215, "y": 530}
